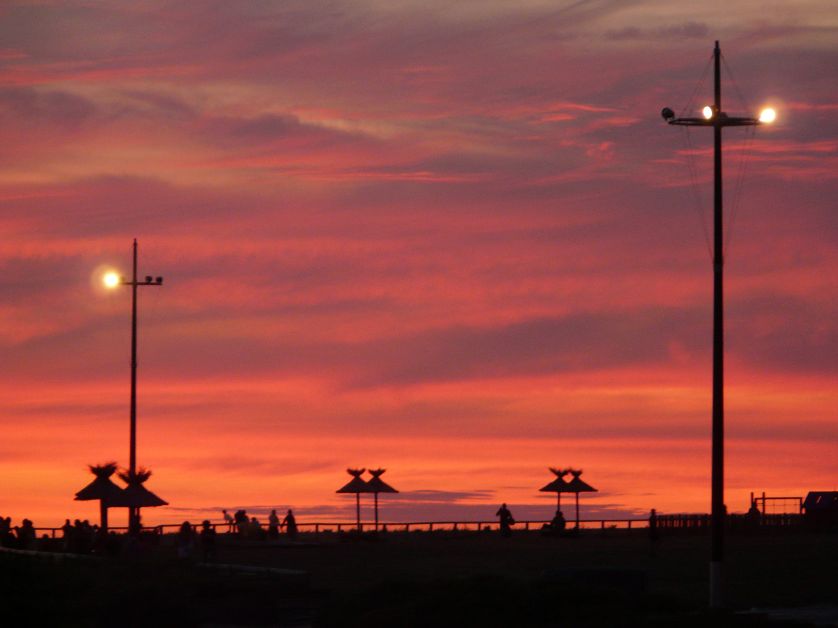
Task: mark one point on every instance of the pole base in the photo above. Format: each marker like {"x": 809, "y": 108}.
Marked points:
{"x": 716, "y": 585}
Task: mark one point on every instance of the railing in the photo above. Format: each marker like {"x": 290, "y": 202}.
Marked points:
{"x": 697, "y": 522}
{"x": 694, "y": 522}
{"x": 321, "y": 527}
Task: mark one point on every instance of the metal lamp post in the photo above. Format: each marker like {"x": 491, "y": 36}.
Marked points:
{"x": 715, "y": 118}
{"x": 112, "y": 280}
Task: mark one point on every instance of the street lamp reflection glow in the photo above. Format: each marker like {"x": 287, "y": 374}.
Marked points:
{"x": 767, "y": 115}
{"x": 110, "y": 279}
{"x": 708, "y": 112}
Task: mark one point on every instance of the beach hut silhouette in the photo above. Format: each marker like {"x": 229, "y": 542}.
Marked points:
{"x": 577, "y": 485}
{"x": 557, "y": 486}
{"x": 377, "y": 485}
{"x": 103, "y": 489}
{"x": 356, "y": 485}
{"x": 135, "y": 495}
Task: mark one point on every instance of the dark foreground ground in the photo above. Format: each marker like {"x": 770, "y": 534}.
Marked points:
{"x": 432, "y": 579}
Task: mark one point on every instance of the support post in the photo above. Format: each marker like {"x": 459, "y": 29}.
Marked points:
{"x": 717, "y": 497}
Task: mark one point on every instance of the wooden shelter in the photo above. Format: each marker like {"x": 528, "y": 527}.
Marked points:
{"x": 557, "y": 486}
{"x": 577, "y": 485}
{"x": 357, "y": 486}
{"x": 136, "y": 495}
{"x": 377, "y": 485}
{"x": 103, "y": 489}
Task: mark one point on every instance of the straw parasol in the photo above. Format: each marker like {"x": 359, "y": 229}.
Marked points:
{"x": 135, "y": 494}
{"x": 103, "y": 489}
{"x": 557, "y": 486}
{"x": 577, "y": 485}
{"x": 377, "y": 485}
{"x": 356, "y": 485}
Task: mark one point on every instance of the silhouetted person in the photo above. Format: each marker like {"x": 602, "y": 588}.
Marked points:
{"x": 753, "y": 517}
{"x": 273, "y": 525}
{"x": 25, "y": 535}
{"x": 185, "y": 540}
{"x": 207, "y": 536}
{"x": 290, "y": 523}
{"x": 228, "y": 519}
{"x": 558, "y": 523}
{"x": 654, "y": 533}
{"x": 87, "y": 537}
{"x": 67, "y": 536}
{"x": 242, "y": 522}
{"x": 6, "y": 538}
{"x": 256, "y": 530}
{"x": 506, "y": 520}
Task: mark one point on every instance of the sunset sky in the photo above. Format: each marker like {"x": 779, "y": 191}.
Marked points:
{"x": 455, "y": 240}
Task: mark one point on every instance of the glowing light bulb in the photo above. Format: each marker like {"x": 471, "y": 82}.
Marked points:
{"x": 767, "y": 115}
{"x": 110, "y": 279}
{"x": 708, "y": 112}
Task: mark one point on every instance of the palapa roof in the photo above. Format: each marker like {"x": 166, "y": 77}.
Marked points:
{"x": 377, "y": 485}
{"x": 577, "y": 485}
{"x": 558, "y": 485}
{"x": 138, "y": 496}
{"x": 356, "y": 484}
{"x": 102, "y": 488}
{"x": 135, "y": 495}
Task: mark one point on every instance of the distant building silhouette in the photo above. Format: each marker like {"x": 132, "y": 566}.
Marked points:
{"x": 821, "y": 508}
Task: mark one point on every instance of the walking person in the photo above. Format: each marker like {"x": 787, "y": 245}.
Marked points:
{"x": 506, "y": 520}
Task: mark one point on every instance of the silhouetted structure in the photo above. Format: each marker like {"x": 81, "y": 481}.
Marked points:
{"x": 357, "y": 486}
{"x": 762, "y": 501}
{"x": 557, "y": 486}
{"x": 717, "y": 119}
{"x": 576, "y": 486}
{"x": 377, "y": 485}
{"x": 103, "y": 489}
{"x": 136, "y": 496}
{"x": 821, "y": 508}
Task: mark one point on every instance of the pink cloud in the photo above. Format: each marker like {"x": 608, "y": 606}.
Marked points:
{"x": 466, "y": 244}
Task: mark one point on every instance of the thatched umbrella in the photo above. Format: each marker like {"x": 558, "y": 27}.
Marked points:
{"x": 103, "y": 489}
{"x": 377, "y": 485}
{"x": 356, "y": 485}
{"x": 576, "y": 485}
{"x": 135, "y": 495}
{"x": 557, "y": 486}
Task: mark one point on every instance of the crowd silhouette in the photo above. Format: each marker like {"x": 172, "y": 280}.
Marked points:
{"x": 82, "y": 537}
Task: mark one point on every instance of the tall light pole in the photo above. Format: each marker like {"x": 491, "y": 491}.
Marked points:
{"x": 717, "y": 119}
{"x": 112, "y": 280}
